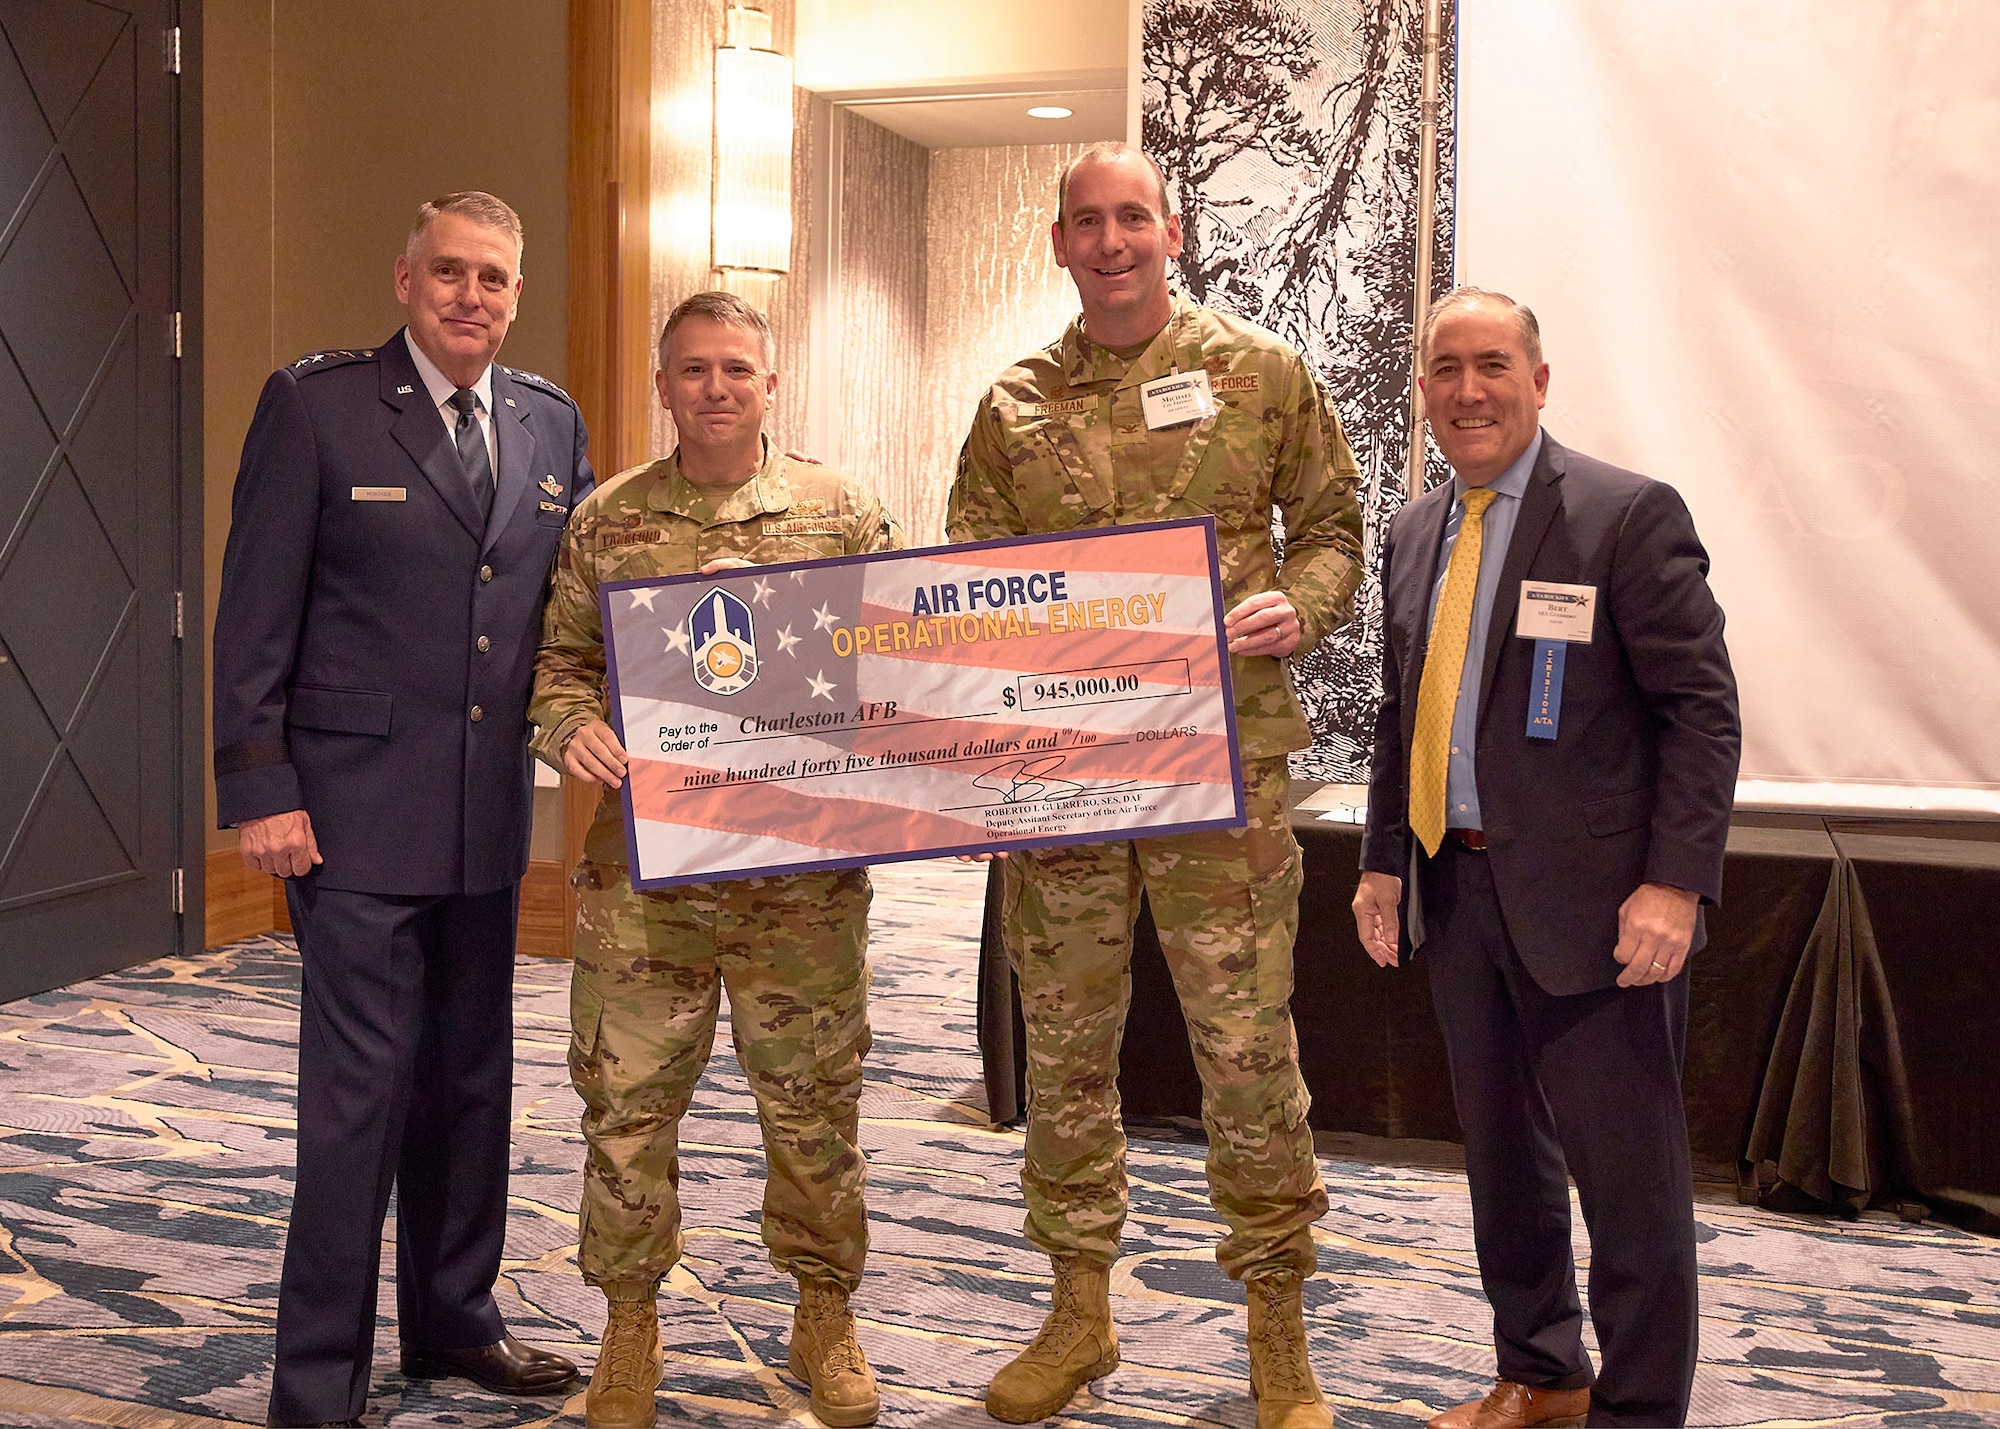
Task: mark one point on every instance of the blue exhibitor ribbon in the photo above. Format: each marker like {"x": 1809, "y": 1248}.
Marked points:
{"x": 1545, "y": 689}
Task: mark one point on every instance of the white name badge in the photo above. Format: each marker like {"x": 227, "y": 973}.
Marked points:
{"x": 379, "y": 493}
{"x": 1550, "y": 611}
{"x": 1176, "y": 398}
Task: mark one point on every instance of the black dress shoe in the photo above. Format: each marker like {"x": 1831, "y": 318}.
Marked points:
{"x": 320, "y": 1423}
{"x": 507, "y": 1366}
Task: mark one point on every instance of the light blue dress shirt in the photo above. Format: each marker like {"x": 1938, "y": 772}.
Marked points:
{"x": 1461, "y": 789}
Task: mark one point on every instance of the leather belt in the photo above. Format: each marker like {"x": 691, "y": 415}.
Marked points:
{"x": 1473, "y": 839}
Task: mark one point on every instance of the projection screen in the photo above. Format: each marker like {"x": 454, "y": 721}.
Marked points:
{"x": 1764, "y": 244}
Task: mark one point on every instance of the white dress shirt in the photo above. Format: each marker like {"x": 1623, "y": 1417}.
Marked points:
{"x": 441, "y": 388}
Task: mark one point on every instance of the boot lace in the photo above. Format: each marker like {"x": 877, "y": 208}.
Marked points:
{"x": 624, "y": 1351}
{"x": 1284, "y": 1352}
{"x": 833, "y": 1332}
{"x": 1065, "y": 1320}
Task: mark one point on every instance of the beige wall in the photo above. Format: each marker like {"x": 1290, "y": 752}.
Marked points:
{"x": 995, "y": 293}
{"x": 789, "y": 305}
{"x": 325, "y": 125}
{"x": 882, "y": 383}
{"x": 944, "y": 274}
{"x": 945, "y": 278}
{"x": 908, "y": 46}
{"x": 685, "y": 36}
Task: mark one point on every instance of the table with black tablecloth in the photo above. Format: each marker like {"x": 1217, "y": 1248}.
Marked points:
{"x": 1844, "y": 1030}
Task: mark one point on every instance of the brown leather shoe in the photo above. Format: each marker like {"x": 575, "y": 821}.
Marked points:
{"x": 507, "y": 1366}
{"x": 1517, "y": 1406}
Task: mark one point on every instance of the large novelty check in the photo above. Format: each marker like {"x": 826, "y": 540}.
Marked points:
{"x": 1040, "y": 690}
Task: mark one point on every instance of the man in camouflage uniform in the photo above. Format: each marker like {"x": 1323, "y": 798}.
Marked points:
{"x": 1062, "y": 442}
{"x": 792, "y": 949}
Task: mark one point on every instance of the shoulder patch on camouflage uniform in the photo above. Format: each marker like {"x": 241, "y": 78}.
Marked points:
{"x": 534, "y": 379}
{"x": 334, "y": 357}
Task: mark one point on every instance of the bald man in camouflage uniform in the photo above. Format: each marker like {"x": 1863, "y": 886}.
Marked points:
{"x": 1061, "y": 443}
{"x": 791, "y": 949}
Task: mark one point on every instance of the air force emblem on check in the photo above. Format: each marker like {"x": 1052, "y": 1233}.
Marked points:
{"x": 724, "y": 643}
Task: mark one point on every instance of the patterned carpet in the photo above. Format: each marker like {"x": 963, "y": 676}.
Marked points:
{"x": 145, "y": 1164}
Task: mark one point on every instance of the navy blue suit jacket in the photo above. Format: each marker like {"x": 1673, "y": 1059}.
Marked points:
{"x": 373, "y": 657}
{"x": 1638, "y": 785}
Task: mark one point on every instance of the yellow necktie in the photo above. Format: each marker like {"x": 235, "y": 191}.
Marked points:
{"x": 1444, "y": 662}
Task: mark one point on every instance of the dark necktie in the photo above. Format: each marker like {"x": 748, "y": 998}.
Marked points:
{"x": 472, "y": 451}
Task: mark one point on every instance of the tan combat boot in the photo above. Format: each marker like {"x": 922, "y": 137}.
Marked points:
{"x": 827, "y": 1358}
{"x": 628, "y": 1359}
{"x": 1077, "y": 1344}
{"x": 1281, "y": 1377}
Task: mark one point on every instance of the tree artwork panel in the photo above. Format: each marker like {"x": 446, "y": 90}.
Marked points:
{"x": 1288, "y": 133}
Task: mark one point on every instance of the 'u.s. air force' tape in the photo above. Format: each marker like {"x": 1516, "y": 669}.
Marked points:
{"x": 1545, "y": 689}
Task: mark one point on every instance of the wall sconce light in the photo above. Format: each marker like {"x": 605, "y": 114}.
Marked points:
{"x": 752, "y": 210}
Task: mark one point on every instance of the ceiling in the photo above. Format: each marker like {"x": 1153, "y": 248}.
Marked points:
{"x": 962, "y": 73}
{"x": 974, "y": 121}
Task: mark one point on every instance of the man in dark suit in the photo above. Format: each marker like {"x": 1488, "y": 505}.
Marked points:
{"x": 395, "y": 521}
{"x": 1555, "y": 760}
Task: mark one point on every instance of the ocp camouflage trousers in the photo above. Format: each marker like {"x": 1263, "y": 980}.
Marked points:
{"x": 644, "y": 994}
{"x": 1226, "y": 906}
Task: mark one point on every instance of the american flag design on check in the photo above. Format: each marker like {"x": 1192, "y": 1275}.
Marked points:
{"x": 1035, "y": 691}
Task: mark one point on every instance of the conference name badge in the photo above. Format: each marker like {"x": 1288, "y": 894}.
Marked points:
{"x": 1554, "y": 616}
{"x": 1551, "y": 611}
{"x": 1177, "y": 398}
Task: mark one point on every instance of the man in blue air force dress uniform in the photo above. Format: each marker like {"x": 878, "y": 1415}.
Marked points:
{"x": 394, "y": 523}
{"x": 1555, "y": 760}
